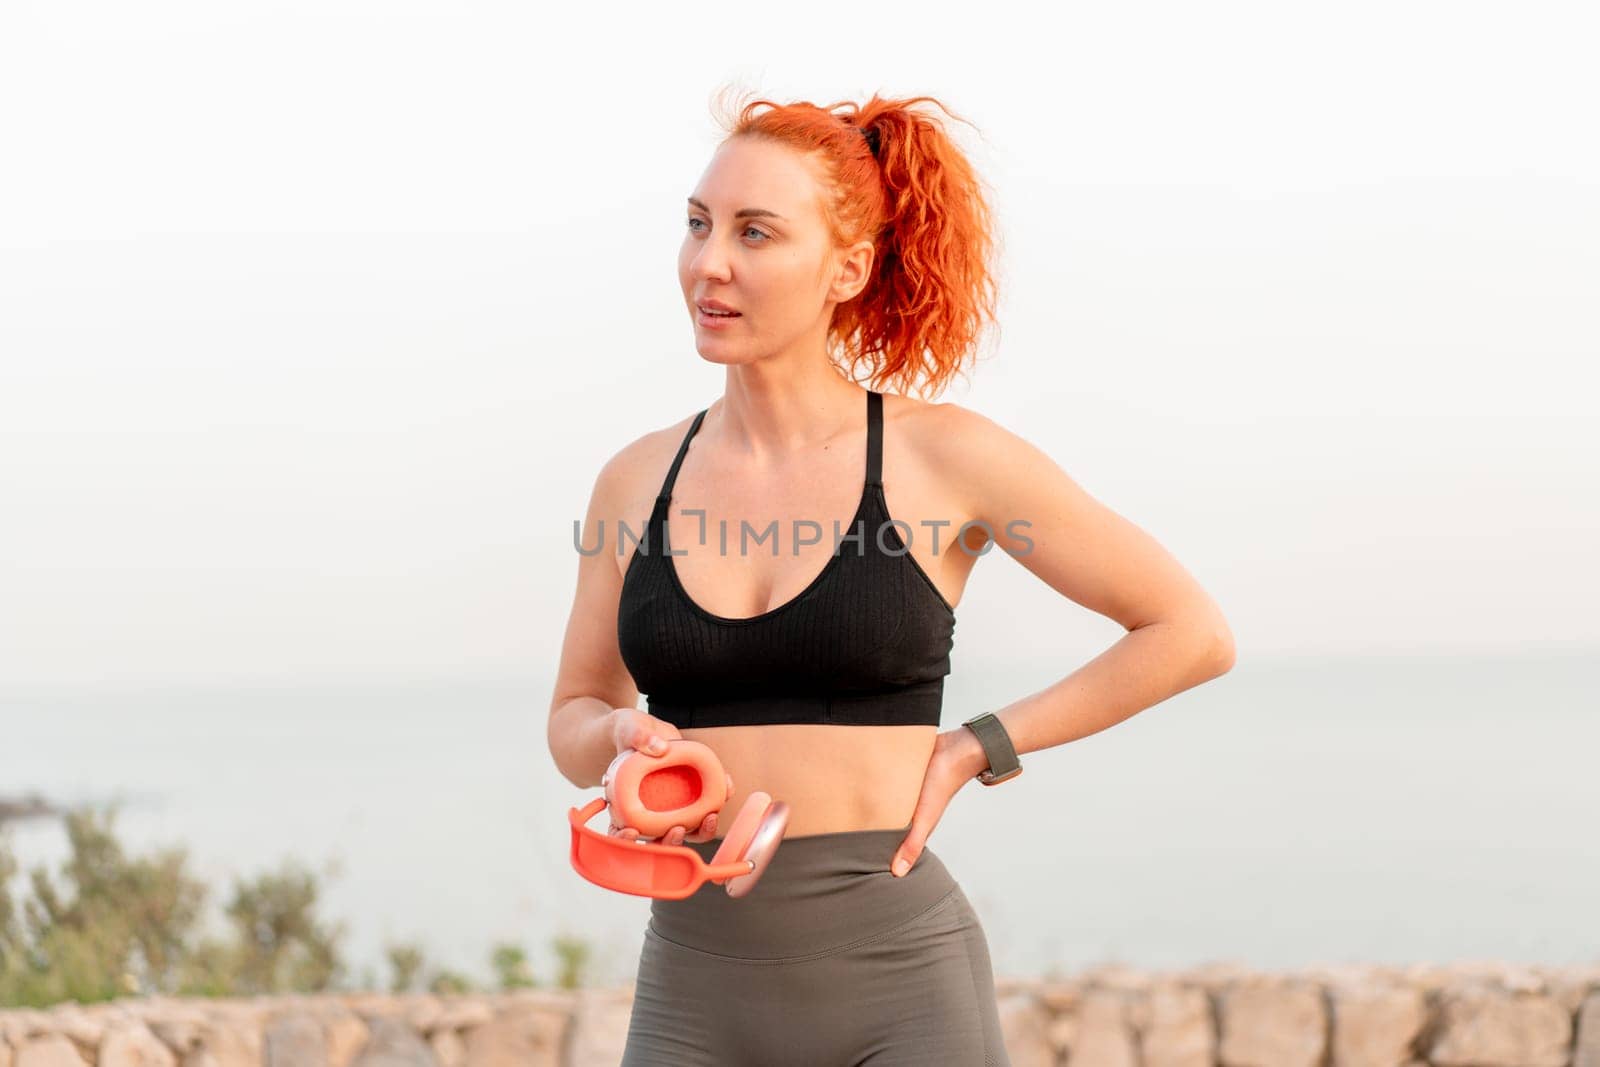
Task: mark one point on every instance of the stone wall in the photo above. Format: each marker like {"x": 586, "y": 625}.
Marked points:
{"x": 1460, "y": 1016}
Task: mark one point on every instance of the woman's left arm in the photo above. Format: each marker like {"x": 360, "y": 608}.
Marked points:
{"x": 1176, "y": 635}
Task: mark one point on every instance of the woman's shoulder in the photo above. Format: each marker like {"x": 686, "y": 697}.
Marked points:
{"x": 636, "y": 470}
{"x": 949, "y": 432}
{"x": 976, "y": 458}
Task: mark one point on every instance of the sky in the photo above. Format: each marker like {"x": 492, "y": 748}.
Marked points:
{"x": 317, "y": 320}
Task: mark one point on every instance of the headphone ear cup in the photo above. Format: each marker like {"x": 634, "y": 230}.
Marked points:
{"x": 743, "y": 828}
{"x": 754, "y": 836}
{"x": 653, "y": 794}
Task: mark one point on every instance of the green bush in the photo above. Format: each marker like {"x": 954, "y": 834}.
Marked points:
{"x": 574, "y": 954}
{"x": 405, "y": 964}
{"x": 108, "y": 925}
{"x": 511, "y": 967}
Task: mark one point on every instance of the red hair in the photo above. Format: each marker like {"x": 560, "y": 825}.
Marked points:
{"x": 920, "y": 316}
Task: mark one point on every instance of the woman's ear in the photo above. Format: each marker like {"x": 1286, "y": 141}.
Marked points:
{"x": 854, "y": 271}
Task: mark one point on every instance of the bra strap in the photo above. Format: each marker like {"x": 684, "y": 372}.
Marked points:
{"x": 672, "y": 475}
{"x": 874, "y": 438}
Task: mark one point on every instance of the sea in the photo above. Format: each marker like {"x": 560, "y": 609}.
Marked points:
{"x": 1299, "y": 810}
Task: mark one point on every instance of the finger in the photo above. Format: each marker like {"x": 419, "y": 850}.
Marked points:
{"x": 929, "y": 809}
{"x": 707, "y": 831}
{"x": 675, "y": 836}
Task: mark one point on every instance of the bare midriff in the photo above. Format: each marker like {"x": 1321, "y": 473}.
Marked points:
{"x": 834, "y": 778}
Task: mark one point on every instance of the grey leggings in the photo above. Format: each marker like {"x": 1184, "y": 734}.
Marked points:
{"x": 830, "y": 961}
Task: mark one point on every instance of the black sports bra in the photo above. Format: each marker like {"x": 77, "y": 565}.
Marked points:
{"x": 866, "y": 643}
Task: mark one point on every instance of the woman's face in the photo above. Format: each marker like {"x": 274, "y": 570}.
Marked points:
{"x": 755, "y": 240}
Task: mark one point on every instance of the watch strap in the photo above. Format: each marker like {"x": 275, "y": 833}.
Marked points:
{"x": 1003, "y": 762}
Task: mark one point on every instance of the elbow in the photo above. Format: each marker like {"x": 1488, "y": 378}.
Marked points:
{"x": 1209, "y": 640}
{"x": 1221, "y": 655}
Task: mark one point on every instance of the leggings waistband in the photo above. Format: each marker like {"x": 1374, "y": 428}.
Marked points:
{"x": 820, "y": 893}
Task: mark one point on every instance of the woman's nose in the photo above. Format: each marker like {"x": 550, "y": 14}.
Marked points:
{"x": 711, "y": 261}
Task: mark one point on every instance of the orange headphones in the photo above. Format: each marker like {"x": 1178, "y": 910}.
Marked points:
{"x": 655, "y": 793}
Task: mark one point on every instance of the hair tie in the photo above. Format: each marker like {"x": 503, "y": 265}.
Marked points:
{"x": 871, "y": 134}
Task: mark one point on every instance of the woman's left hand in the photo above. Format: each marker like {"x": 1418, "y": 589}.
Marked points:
{"x": 957, "y": 757}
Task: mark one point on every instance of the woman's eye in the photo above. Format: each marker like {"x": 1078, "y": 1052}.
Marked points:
{"x": 748, "y": 229}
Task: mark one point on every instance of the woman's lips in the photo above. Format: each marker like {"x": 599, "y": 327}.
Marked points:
{"x": 715, "y": 322}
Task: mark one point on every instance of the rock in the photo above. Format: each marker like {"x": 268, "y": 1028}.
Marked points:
{"x": 1175, "y": 1028}
{"x": 134, "y": 1045}
{"x": 1586, "y": 1053}
{"x": 296, "y": 1039}
{"x": 394, "y": 1044}
{"x": 1119, "y": 977}
{"x": 372, "y": 1006}
{"x": 1376, "y": 1026}
{"x": 422, "y": 1011}
{"x": 1428, "y": 977}
{"x": 562, "y": 1001}
{"x": 448, "y": 1048}
{"x": 175, "y": 1023}
{"x": 1025, "y": 1027}
{"x": 1059, "y": 995}
{"x": 1105, "y": 1035}
{"x": 463, "y": 1014}
{"x": 84, "y": 1029}
{"x": 1356, "y": 975}
{"x": 18, "y": 1025}
{"x": 180, "y": 1035}
{"x": 1522, "y": 980}
{"x": 221, "y": 1042}
{"x": 49, "y": 1050}
{"x": 1484, "y": 1027}
{"x": 28, "y": 806}
{"x": 1005, "y": 985}
{"x": 536, "y": 1037}
{"x": 347, "y": 1035}
{"x": 1218, "y": 975}
{"x": 1571, "y": 989}
{"x": 1272, "y": 1024}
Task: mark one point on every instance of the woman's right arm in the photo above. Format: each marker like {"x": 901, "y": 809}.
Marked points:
{"x": 594, "y": 713}
{"x": 592, "y": 682}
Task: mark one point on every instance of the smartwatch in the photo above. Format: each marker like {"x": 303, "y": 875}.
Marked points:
{"x": 1003, "y": 762}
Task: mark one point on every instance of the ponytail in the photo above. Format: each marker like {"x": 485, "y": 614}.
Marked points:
{"x": 899, "y": 180}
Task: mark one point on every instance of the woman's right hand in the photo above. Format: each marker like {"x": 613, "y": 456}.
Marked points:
{"x": 635, "y": 730}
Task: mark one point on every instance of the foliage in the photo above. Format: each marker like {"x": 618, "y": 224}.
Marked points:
{"x": 574, "y": 954}
{"x": 511, "y": 967}
{"x": 446, "y": 982}
{"x": 283, "y": 948}
{"x": 405, "y": 964}
{"x": 108, "y": 924}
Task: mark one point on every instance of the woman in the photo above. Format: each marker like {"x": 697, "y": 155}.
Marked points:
{"x": 820, "y": 240}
